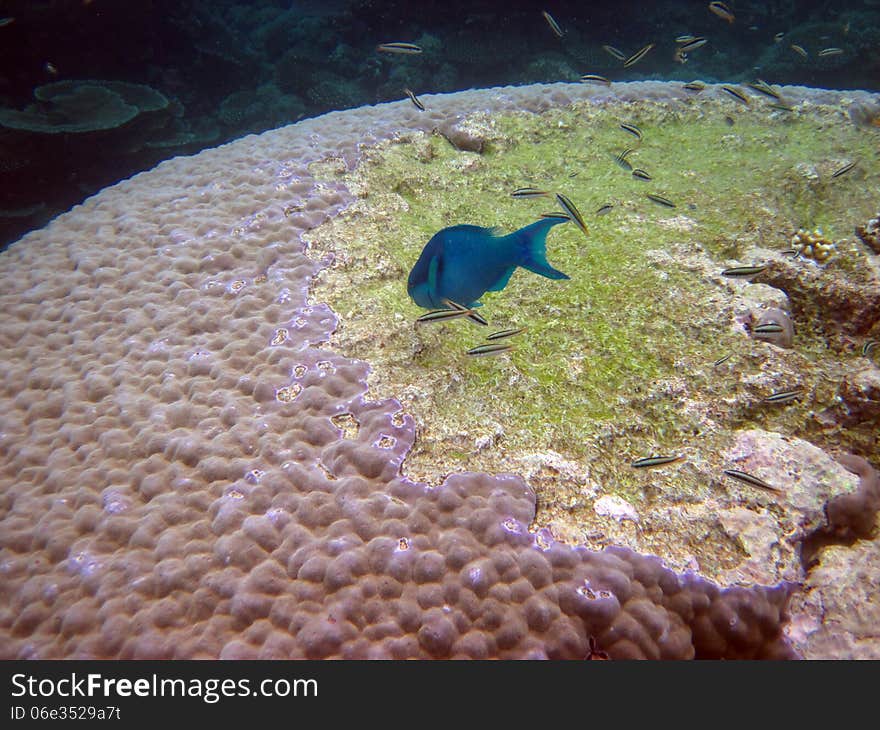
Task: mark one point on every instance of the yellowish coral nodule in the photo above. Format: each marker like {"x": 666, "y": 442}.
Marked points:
{"x": 813, "y": 245}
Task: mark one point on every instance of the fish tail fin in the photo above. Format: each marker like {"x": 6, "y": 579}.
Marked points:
{"x": 533, "y": 248}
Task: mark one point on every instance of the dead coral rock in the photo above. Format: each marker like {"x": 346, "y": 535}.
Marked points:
{"x": 808, "y": 479}
{"x": 462, "y": 139}
{"x": 616, "y": 507}
{"x": 870, "y": 234}
{"x": 865, "y": 113}
{"x": 853, "y": 515}
{"x": 837, "y": 614}
{"x": 859, "y": 396}
{"x": 758, "y": 297}
{"x": 757, "y": 303}
{"x": 473, "y": 134}
{"x": 828, "y": 296}
{"x": 785, "y": 338}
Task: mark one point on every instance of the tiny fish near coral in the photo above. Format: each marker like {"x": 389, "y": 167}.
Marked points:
{"x": 722, "y": 11}
{"x": 572, "y": 212}
{"x": 490, "y": 348}
{"x": 398, "y": 47}
{"x": 743, "y": 272}
{"x": 554, "y": 26}
{"x": 618, "y": 54}
{"x": 504, "y": 334}
{"x": 472, "y": 314}
{"x": 596, "y": 78}
{"x": 637, "y": 56}
{"x": 415, "y": 100}
{"x": 649, "y": 461}
{"x": 750, "y": 479}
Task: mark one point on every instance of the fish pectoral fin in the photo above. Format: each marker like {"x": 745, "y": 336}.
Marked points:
{"x": 433, "y": 271}
{"x": 502, "y": 280}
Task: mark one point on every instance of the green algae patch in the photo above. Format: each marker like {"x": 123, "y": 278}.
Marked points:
{"x": 616, "y": 363}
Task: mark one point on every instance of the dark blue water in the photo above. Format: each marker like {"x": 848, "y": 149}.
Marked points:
{"x": 199, "y": 73}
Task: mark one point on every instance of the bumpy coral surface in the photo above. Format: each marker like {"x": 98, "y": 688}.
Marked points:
{"x": 187, "y": 472}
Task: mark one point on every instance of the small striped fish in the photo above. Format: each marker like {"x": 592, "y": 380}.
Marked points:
{"x": 783, "y": 396}
{"x": 843, "y": 170}
{"x": 556, "y": 214}
{"x": 762, "y": 87}
{"x": 595, "y": 78}
{"x": 722, "y": 11}
{"x": 504, "y": 334}
{"x": 638, "y": 56}
{"x": 649, "y": 461}
{"x": 404, "y": 48}
{"x": 472, "y": 314}
{"x": 750, "y": 479}
{"x": 415, "y": 100}
{"x": 442, "y": 315}
{"x": 767, "y": 328}
{"x": 529, "y": 193}
{"x": 736, "y": 94}
{"x": 554, "y": 26}
{"x": 572, "y": 212}
{"x": 660, "y": 200}
{"x": 693, "y": 45}
{"x": 743, "y": 271}
{"x": 622, "y": 161}
{"x": 494, "y": 348}
{"x": 619, "y": 55}
{"x": 632, "y": 129}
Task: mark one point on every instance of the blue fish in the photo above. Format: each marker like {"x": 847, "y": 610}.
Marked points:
{"x": 461, "y": 263}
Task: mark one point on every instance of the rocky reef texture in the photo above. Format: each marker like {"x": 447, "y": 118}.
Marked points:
{"x": 189, "y": 470}
{"x": 869, "y": 234}
{"x": 835, "y": 616}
